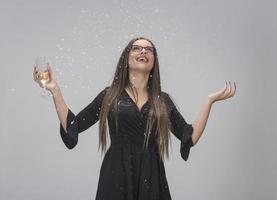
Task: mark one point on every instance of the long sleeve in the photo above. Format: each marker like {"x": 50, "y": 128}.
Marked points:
{"x": 76, "y": 124}
{"x": 179, "y": 127}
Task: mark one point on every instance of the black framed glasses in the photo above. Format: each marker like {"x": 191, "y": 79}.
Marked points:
{"x": 138, "y": 49}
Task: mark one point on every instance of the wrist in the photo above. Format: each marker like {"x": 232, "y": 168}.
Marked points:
{"x": 55, "y": 90}
{"x": 210, "y": 101}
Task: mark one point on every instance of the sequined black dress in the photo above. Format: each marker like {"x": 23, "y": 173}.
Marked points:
{"x": 128, "y": 172}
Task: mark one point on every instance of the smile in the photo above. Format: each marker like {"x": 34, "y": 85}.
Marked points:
{"x": 142, "y": 59}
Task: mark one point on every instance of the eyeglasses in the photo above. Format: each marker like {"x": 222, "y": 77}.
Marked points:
{"x": 138, "y": 49}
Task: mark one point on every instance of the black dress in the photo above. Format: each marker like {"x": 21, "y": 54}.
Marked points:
{"x": 128, "y": 172}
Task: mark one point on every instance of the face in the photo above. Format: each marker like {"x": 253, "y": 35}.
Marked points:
{"x": 141, "y": 59}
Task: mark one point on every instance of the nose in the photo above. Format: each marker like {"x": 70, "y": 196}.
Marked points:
{"x": 143, "y": 50}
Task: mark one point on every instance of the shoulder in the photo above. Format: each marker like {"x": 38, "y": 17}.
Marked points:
{"x": 106, "y": 88}
{"x": 103, "y": 92}
{"x": 166, "y": 97}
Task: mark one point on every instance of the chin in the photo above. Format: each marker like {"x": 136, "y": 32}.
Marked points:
{"x": 142, "y": 68}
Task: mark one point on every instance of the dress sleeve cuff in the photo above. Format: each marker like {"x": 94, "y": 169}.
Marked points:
{"x": 70, "y": 138}
{"x": 186, "y": 142}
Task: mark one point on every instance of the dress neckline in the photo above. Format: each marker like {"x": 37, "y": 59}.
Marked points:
{"x": 139, "y": 109}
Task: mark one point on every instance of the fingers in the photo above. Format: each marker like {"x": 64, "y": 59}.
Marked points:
{"x": 35, "y": 73}
{"x": 223, "y": 90}
{"x": 51, "y": 74}
{"x": 225, "y": 87}
{"x": 232, "y": 93}
{"x": 226, "y": 90}
{"x": 225, "y": 93}
{"x": 231, "y": 90}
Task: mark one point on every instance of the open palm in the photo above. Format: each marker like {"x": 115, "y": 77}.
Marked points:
{"x": 226, "y": 92}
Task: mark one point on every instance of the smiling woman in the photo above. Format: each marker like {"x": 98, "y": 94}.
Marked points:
{"x": 141, "y": 118}
{"x": 141, "y": 59}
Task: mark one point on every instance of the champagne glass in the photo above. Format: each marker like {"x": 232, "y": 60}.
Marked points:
{"x": 41, "y": 64}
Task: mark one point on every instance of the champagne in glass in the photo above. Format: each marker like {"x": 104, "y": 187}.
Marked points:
{"x": 43, "y": 77}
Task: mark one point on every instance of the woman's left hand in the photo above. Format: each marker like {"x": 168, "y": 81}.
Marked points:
{"x": 225, "y": 93}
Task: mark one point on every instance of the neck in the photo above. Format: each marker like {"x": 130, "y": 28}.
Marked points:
{"x": 139, "y": 80}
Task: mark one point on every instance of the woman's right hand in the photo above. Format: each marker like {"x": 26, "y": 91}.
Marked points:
{"x": 51, "y": 84}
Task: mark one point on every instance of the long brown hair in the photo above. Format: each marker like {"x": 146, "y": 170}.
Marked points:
{"x": 158, "y": 111}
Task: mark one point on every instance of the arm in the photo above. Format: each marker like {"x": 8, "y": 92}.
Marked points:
{"x": 60, "y": 105}
{"x": 187, "y": 133}
{"x": 70, "y": 124}
{"x": 200, "y": 122}
{"x": 75, "y": 124}
{"x": 52, "y": 86}
{"x": 179, "y": 127}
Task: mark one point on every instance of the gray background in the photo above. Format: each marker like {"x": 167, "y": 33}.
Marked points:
{"x": 200, "y": 44}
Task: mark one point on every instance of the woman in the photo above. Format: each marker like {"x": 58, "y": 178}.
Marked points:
{"x": 140, "y": 118}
